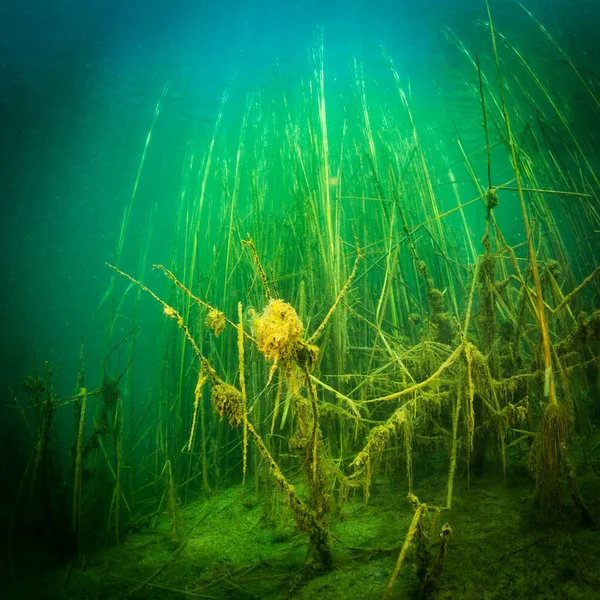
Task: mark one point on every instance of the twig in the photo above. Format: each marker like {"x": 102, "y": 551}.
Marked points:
{"x": 321, "y": 327}
{"x": 147, "y": 581}
{"x": 163, "y": 587}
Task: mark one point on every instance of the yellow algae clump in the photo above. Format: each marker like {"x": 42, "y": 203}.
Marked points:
{"x": 278, "y": 330}
{"x": 227, "y": 400}
{"x": 215, "y": 319}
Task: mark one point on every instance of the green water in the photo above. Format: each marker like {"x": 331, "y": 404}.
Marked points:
{"x": 301, "y": 302}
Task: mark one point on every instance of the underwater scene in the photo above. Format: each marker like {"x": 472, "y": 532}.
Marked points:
{"x": 300, "y": 300}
